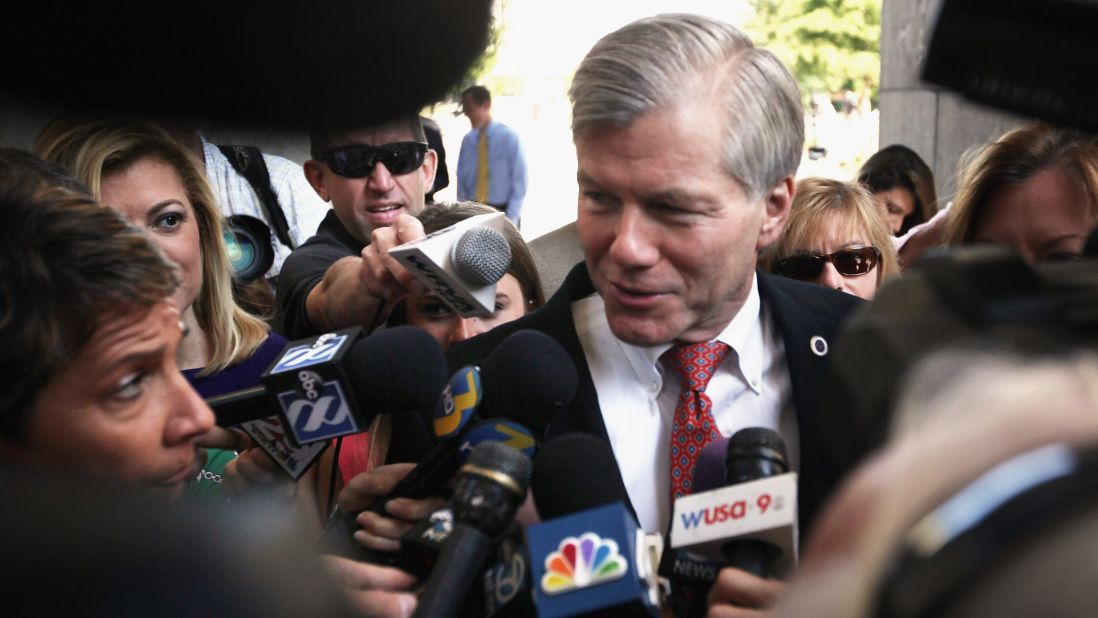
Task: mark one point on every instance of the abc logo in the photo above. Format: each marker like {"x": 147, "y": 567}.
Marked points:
{"x": 323, "y": 350}
{"x": 319, "y": 413}
{"x": 310, "y": 384}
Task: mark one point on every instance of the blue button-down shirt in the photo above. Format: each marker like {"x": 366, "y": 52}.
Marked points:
{"x": 506, "y": 168}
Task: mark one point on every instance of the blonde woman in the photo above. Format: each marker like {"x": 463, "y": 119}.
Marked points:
{"x": 835, "y": 237}
{"x": 136, "y": 168}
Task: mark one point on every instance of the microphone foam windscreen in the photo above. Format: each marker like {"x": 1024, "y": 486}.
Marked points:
{"x": 575, "y": 472}
{"x": 481, "y": 256}
{"x": 397, "y": 370}
{"x": 528, "y": 378}
{"x": 504, "y": 460}
{"x": 758, "y": 439}
{"x": 753, "y": 453}
{"x": 709, "y": 471}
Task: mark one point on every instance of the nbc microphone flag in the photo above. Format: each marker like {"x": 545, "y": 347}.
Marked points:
{"x": 592, "y": 561}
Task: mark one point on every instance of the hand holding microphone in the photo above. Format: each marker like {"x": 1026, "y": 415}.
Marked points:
{"x": 460, "y": 264}
{"x": 381, "y": 274}
{"x": 490, "y": 487}
{"x": 381, "y": 532}
{"x": 334, "y": 385}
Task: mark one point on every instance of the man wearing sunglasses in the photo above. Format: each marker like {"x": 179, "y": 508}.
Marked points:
{"x": 687, "y": 141}
{"x": 375, "y": 178}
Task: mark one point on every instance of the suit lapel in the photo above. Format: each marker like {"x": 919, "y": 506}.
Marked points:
{"x": 555, "y": 319}
{"x": 806, "y": 348}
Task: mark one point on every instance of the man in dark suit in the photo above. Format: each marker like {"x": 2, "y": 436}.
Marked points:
{"x": 687, "y": 141}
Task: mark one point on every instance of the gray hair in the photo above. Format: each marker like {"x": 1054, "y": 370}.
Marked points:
{"x": 669, "y": 59}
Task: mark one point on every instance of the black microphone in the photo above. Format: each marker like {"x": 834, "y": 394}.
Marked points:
{"x": 528, "y": 378}
{"x": 754, "y": 453}
{"x": 590, "y": 471}
{"x": 588, "y": 556}
{"x": 729, "y": 520}
{"x": 572, "y": 473}
{"x": 575, "y": 472}
{"x": 691, "y": 574}
{"x": 334, "y": 385}
{"x": 490, "y": 488}
{"x": 398, "y": 369}
{"x": 525, "y": 381}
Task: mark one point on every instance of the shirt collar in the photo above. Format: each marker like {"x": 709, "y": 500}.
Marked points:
{"x": 743, "y": 334}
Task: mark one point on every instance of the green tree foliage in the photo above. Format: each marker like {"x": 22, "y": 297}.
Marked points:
{"x": 829, "y": 45}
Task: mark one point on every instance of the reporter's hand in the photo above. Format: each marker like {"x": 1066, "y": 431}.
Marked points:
{"x": 253, "y": 468}
{"x": 372, "y": 590}
{"x": 379, "y": 532}
{"x": 381, "y": 274}
{"x": 737, "y": 593}
{"x": 225, "y": 439}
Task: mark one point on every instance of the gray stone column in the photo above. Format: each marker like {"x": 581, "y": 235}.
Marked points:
{"x": 937, "y": 124}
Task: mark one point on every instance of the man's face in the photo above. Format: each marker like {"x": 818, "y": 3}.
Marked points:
{"x": 377, "y": 199}
{"x": 122, "y": 410}
{"x": 475, "y": 112}
{"x": 670, "y": 239}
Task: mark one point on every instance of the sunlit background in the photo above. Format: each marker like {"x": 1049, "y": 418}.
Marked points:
{"x": 832, "y": 46}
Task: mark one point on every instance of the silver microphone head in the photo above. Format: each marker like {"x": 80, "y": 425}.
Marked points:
{"x": 481, "y": 256}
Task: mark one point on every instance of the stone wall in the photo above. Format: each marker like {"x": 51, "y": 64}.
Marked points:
{"x": 937, "y": 124}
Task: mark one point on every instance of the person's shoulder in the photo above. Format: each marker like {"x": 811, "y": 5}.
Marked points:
{"x": 505, "y": 129}
{"x": 319, "y": 251}
{"x": 271, "y": 346}
{"x": 816, "y": 299}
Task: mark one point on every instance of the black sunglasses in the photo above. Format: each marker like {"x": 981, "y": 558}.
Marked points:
{"x": 849, "y": 262}
{"x": 358, "y": 160}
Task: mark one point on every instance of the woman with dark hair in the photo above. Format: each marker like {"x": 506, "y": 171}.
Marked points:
{"x": 903, "y": 185}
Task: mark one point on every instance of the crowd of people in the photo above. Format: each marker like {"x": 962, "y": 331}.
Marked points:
{"x": 702, "y": 253}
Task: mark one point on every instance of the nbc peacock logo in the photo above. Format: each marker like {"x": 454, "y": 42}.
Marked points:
{"x": 582, "y": 562}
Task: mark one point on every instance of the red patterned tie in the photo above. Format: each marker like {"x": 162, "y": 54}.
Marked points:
{"x": 693, "y": 426}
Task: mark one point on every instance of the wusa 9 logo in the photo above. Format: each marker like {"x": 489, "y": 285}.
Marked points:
{"x": 322, "y": 417}
{"x": 738, "y": 509}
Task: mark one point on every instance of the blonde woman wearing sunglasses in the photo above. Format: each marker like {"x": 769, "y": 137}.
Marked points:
{"x": 835, "y": 237}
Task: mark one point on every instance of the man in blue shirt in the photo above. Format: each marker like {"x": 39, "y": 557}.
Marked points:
{"x": 491, "y": 166}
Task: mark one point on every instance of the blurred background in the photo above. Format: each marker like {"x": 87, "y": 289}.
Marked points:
{"x": 857, "y": 62}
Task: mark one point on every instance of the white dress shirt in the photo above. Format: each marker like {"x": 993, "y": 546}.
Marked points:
{"x": 750, "y": 388}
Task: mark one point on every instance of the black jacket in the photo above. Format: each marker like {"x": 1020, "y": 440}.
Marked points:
{"x": 800, "y": 311}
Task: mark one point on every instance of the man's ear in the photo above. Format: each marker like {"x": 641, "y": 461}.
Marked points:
{"x": 777, "y": 202}
{"x": 314, "y": 173}
{"x": 430, "y": 163}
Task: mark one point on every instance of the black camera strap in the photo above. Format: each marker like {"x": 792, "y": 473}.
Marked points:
{"x": 248, "y": 162}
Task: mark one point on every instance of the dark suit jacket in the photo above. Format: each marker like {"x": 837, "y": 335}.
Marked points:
{"x": 800, "y": 311}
